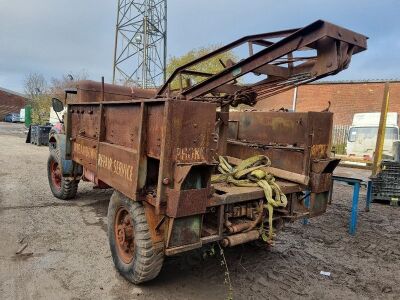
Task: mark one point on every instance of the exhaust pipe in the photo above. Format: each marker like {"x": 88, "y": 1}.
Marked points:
{"x": 240, "y": 238}
{"x": 236, "y": 228}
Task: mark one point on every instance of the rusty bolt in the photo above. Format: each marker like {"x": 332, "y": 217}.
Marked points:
{"x": 165, "y": 181}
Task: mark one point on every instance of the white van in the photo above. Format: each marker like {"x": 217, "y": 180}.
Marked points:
{"x": 363, "y": 133}
{"x": 53, "y": 119}
{"x": 22, "y": 115}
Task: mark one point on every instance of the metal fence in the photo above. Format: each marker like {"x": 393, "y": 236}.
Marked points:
{"x": 339, "y": 138}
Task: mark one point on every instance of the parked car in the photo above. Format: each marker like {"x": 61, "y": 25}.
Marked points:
{"x": 12, "y": 117}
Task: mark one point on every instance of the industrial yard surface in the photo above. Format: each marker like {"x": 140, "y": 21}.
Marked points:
{"x": 67, "y": 254}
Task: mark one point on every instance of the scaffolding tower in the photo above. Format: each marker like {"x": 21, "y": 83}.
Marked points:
{"x": 140, "y": 43}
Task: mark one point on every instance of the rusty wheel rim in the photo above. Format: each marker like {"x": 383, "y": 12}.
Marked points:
{"x": 124, "y": 235}
{"x": 55, "y": 174}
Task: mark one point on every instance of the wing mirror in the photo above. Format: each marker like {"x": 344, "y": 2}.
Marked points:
{"x": 57, "y": 105}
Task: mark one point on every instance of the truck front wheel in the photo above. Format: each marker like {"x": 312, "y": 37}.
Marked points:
{"x": 62, "y": 187}
{"x": 132, "y": 249}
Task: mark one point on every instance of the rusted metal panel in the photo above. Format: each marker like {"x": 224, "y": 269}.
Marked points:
{"x": 274, "y": 128}
{"x": 156, "y": 223}
{"x": 283, "y": 158}
{"x": 183, "y": 248}
{"x": 84, "y": 120}
{"x": 116, "y": 168}
{"x": 185, "y": 140}
{"x": 320, "y": 182}
{"x": 122, "y": 125}
{"x": 184, "y": 232}
{"x": 191, "y": 137}
{"x": 155, "y": 121}
{"x": 183, "y": 203}
{"x": 321, "y": 136}
{"x": 223, "y": 129}
{"x": 318, "y": 203}
{"x": 320, "y": 151}
{"x": 84, "y": 152}
{"x": 91, "y": 91}
{"x": 324, "y": 165}
{"x": 293, "y": 141}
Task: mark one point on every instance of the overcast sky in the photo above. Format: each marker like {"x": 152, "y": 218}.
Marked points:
{"x": 56, "y": 37}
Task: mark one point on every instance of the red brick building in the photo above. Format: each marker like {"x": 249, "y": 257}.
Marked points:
{"x": 10, "y": 102}
{"x": 347, "y": 98}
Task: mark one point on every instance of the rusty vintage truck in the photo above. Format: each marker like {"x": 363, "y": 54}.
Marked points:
{"x": 159, "y": 148}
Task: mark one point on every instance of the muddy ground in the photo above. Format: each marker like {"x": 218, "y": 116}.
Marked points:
{"x": 67, "y": 256}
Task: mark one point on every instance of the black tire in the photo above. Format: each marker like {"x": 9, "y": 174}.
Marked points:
{"x": 62, "y": 188}
{"x": 146, "y": 261}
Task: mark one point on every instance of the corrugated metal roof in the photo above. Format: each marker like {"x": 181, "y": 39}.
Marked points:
{"x": 14, "y": 93}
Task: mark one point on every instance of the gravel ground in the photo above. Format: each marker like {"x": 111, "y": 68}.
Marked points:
{"x": 67, "y": 254}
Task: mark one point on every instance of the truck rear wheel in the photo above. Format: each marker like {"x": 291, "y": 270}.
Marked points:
{"x": 62, "y": 188}
{"x": 132, "y": 249}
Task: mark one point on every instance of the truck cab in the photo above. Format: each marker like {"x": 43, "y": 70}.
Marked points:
{"x": 363, "y": 133}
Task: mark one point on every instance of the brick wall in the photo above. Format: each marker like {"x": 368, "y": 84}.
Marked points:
{"x": 10, "y": 103}
{"x": 346, "y": 99}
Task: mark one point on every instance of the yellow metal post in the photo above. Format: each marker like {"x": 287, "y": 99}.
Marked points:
{"x": 381, "y": 131}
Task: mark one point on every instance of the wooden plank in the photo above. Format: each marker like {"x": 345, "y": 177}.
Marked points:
{"x": 226, "y": 194}
{"x": 283, "y": 174}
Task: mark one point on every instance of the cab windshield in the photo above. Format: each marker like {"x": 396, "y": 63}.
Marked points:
{"x": 366, "y": 133}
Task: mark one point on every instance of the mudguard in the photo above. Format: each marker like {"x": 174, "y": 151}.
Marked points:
{"x": 69, "y": 167}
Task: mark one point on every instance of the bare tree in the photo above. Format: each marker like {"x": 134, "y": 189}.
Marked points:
{"x": 35, "y": 84}
{"x": 40, "y": 92}
{"x": 58, "y": 85}
{"x": 37, "y": 89}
